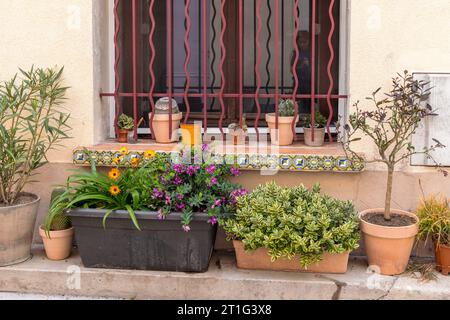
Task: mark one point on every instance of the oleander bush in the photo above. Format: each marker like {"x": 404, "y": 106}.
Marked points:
{"x": 294, "y": 221}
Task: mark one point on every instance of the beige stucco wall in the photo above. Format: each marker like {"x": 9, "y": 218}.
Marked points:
{"x": 386, "y": 37}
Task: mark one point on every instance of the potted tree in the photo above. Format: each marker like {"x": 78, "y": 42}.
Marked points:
{"x": 125, "y": 125}
{"x": 293, "y": 229}
{"x": 160, "y": 121}
{"x": 434, "y": 215}
{"x": 320, "y": 123}
{"x": 155, "y": 215}
{"x": 57, "y": 232}
{"x": 31, "y": 123}
{"x": 283, "y": 136}
{"x": 389, "y": 233}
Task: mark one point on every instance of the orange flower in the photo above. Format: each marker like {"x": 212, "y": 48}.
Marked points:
{"x": 124, "y": 151}
{"x": 114, "y": 174}
{"x": 149, "y": 154}
{"x": 114, "y": 190}
{"x": 135, "y": 162}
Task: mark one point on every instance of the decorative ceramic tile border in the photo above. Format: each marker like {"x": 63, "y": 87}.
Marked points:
{"x": 305, "y": 163}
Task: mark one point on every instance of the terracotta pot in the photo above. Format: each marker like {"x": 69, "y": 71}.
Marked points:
{"x": 260, "y": 260}
{"x": 59, "y": 244}
{"x": 284, "y": 135}
{"x": 16, "y": 231}
{"x": 319, "y": 137}
{"x": 161, "y": 127}
{"x": 388, "y": 248}
{"x": 443, "y": 258}
{"x": 122, "y": 136}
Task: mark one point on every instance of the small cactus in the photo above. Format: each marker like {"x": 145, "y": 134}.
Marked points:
{"x": 125, "y": 122}
{"x": 60, "y": 221}
{"x": 286, "y": 108}
{"x": 162, "y": 106}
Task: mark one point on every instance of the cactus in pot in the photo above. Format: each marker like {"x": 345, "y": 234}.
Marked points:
{"x": 162, "y": 131}
{"x": 283, "y": 134}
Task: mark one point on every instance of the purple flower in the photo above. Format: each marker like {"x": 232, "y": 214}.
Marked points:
{"x": 186, "y": 228}
{"x": 179, "y": 168}
{"x": 168, "y": 200}
{"x": 163, "y": 179}
{"x": 180, "y": 196}
{"x": 180, "y": 206}
{"x": 205, "y": 147}
{"x": 235, "y": 171}
{"x": 161, "y": 215}
{"x": 218, "y": 202}
{"x": 213, "y": 181}
{"x": 213, "y": 220}
{"x": 236, "y": 194}
{"x": 177, "y": 181}
{"x": 211, "y": 169}
{"x": 158, "y": 194}
{"x": 191, "y": 170}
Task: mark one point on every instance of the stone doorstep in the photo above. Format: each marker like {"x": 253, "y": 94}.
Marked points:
{"x": 40, "y": 276}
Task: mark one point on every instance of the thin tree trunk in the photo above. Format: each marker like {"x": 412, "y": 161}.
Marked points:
{"x": 387, "y": 205}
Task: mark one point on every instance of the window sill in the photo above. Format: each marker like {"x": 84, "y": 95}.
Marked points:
{"x": 297, "y": 157}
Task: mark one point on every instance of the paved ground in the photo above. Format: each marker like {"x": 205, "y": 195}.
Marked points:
{"x": 68, "y": 279}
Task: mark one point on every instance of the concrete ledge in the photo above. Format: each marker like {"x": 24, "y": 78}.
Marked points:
{"x": 222, "y": 281}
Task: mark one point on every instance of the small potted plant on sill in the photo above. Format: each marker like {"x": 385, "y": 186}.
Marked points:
{"x": 389, "y": 233}
{"x": 238, "y": 133}
{"x": 153, "y": 215}
{"x": 32, "y": 122}
{"x": 125, "y": 125}
{"x": 57, "y": 231}
{"x": 284, "y": 136}
{"x": 161, "y": 121}
{"x": 320, "y": 123}
{"x": 293, "y": 229}
{"x": 434, "y": 215}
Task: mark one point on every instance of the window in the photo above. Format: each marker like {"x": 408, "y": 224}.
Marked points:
{"x": 223, "y": 60}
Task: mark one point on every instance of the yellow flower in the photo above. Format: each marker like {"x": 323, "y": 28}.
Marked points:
{"x": 135, "y": 162}
{"x": 117, "y": 159}
{"x": 124, "y": 151}
{"x": 114, "y": 174}
{"x": 149, "y": 154}
{"x": 114, "y": 190}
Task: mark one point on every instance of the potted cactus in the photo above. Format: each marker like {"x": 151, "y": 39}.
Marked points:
{"x": 125, "y": 125}
{"x": 237, "y": 132}
{"x": 57, "y": 231}
{"x": 320, "y": 123}
{"x": 284, "y": 136}
{"x": 160, "y": 121}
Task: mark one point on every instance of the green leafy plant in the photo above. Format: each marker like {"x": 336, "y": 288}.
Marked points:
{"x": 434, "y": 215}
{"x": 390, "y": 125}
{"x": 319, "y": 120}
{"x": 294, "y": 221}
{"x": 286, "y": 108}
{"x": 32, "y": 122}
{"x": 59, "y": 220}
{"x": 125, "y": 122}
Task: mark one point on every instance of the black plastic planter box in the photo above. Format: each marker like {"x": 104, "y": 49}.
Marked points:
{"x": 161, "y": 245}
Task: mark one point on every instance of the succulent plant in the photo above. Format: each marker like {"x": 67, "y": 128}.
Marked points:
{"x": 319, "y": 120}
{"x": 125, "y": 122}
{"x": 286, "y": 108}
{"x": 162, "y": 106}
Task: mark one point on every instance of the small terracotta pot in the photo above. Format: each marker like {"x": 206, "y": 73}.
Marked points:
{"x": 59, "y": 244}
{"x": 442, "y": 258}
{"x": 284, "y": 135}
{"x": 161, "y": 127}
{"x": 319, "y": 137}
{"x": 388, "y": 248}
{"x": 260, "y": 260}
{"x": 122, "y": 136}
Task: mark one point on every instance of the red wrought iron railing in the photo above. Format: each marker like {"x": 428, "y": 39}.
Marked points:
{"x": 209, "y": 91}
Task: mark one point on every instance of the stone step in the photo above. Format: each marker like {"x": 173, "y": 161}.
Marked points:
{"x": 223, "y": 281}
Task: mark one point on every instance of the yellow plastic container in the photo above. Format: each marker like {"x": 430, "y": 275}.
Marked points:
{"x": 191, "y": 134}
